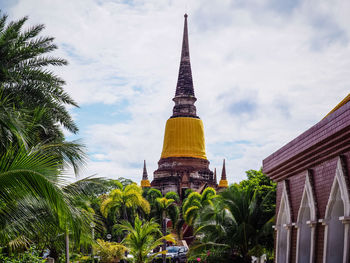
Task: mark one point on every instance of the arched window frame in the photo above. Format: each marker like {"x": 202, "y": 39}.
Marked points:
{"x": 340, "y": 182}
{"x": 285, "y": 205}
{"x": 309, "y": 199}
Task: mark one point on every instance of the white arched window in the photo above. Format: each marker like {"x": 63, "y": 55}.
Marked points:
{"x": 337, "y": 219}
{"x": 283, "y": 227}
{"x": 306, "y": 224}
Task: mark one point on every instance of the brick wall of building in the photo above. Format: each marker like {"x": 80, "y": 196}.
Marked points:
{"x": 322, "y": 176}
{"x": 317, "y": 150}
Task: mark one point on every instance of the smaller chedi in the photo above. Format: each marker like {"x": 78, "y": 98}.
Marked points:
{"x": 145, "y": 182}
{"x": 183, "y": 164}
{"x": 223, "y": 182}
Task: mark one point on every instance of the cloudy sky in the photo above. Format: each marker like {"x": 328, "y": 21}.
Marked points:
{"x": 264, "y": 71}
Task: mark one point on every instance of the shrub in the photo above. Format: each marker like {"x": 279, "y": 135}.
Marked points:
{"x": 29, "y": 256}
{"x": 109, "y": 252}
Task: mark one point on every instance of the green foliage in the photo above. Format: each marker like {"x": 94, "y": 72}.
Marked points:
{"x": 27, "y": 174}
{"x": 29, "y": 256}
{"x": 258, "y": 181}
{"x": 109, "y": 251}
{"x": 125, "y": 202}
{"x": 172, "y": 195}
{"x": 121, "y": 181}
{"x": 213, "y": 254}
{"x": 167, "y": 208}
{"x": 24, "y": 74}
{"x": 236, "y": 224}
{"x": 195, "y": 202}
{"x": 142, "y": 237}
{"x": 151, "y": 194}
{"x": 187, "y": 193}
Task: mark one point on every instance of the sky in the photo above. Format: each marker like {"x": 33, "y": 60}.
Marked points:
{"x": 264, "y": 71}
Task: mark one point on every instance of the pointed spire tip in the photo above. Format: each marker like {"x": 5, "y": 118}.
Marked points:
{"x": 185, "y": 15}
{"x": 144, "y": 174}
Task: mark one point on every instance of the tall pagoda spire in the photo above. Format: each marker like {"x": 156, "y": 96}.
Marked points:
{"x": 184, "y": 94}
{"x": 215, "y": 180}
{"x": 223, "y": 182}
{"x": 144, "y": 174}
{"x": 183, "y": 163}
{"x": 145, "y": 182}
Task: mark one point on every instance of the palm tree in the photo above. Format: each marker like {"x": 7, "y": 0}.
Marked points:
{"x": 32, "y": 99}
{"x": 123, "y": 200}
{"x": 235, "y": 220}
{"x": 195, "y": 202}
{"x": 28, "y": 176}
{"x": 11, "y": 126}
{"x": 24, "y": 73}
{"x": 167, "y": 207}
{"x": 142, "y": 238}
{"x": 151, "y": 195}
{"x": 33, "y": 150}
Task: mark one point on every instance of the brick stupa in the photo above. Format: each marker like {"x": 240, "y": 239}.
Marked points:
{"x": 183, "y": 163}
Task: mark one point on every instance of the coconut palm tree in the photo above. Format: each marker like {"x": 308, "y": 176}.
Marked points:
{"x": 124, "y": 201}
{"x": 142, "y": 238}
{"x": 28, "y": 175}
{"x": 195, "y": 202}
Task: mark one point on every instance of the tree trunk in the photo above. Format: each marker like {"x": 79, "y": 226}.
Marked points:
{"x": 125, "y": 214}
{"x": 164, "y": 233}
{"x": 67, "y": 246}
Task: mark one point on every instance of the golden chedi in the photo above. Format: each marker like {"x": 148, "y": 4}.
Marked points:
{"x": 184, "y": 136}
{"x": 183, "y": 163}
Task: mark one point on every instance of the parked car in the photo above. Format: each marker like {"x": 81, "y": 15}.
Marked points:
{"x": 175, "y": 254}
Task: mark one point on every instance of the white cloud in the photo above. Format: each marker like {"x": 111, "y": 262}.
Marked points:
{"x": 291, "y": 66}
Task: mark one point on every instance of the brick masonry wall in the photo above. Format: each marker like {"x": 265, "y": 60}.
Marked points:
{"x": 293, "y": 244}
{"x": 323, "y": 180}
{"x": 322, "y": 176}
{"x": 319, "y": 243}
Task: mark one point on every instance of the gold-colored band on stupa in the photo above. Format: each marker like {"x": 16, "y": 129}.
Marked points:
{"x": 145, "y": 183}
{"x": 184, "y": 137}
{"x": 223, "y": 184}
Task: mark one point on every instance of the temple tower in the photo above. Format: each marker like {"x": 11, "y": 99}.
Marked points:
{"x": 145, "y": 181}
{"x": 183, "y": 163}
{"x": 223, "y": 182}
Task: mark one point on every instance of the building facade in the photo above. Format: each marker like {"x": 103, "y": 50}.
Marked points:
{"x": 313, "y": 204}
{"x": 183, "y": 163}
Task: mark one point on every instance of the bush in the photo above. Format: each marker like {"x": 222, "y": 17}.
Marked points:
{"x": 109, "y": 252}
{"x": 30, "y": 256}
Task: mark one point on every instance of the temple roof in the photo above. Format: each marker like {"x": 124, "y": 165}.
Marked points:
{"x": 184, "y": 85}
